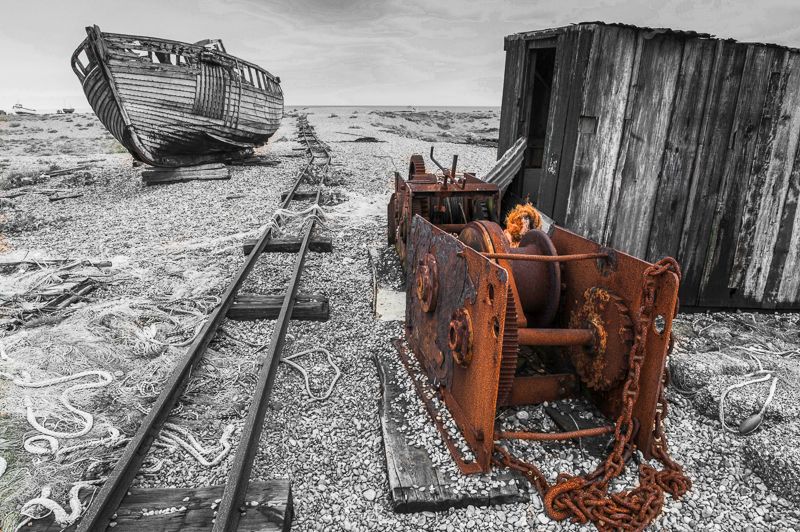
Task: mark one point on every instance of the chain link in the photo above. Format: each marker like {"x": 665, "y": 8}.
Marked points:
{"x": 585, "y": 499}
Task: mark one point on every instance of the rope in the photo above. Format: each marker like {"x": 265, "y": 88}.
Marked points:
{"x": 112, "y": 440}
{"x": 29, "y": 446}
{"x": 289, "y": 360}
{"x": 88, "y": 419}
{"x": 171, "y": 436}
{"x": 59, "y": 514}
{"x": 760, "y": 376}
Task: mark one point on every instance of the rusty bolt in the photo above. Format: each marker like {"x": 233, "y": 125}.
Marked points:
{"x": 427, "y": 283}
{"x": 460, "y": 337}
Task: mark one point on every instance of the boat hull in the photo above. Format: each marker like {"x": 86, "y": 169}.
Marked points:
{"x": 176, "y": 104}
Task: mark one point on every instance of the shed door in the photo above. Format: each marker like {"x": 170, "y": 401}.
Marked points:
{"x": 534, "y": 110}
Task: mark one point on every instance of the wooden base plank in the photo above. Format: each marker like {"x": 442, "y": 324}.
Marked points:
{"x": 299, "y": 196}
{"x": 318, "y": 244}
{"x": 267, "y": 307}
{"x": 65, "y": 196}
{"x": 148, "y": 509}
{"x": 409, "y": 466}
{"x": 156, "y": 175}
{"x": 253, "y": 161}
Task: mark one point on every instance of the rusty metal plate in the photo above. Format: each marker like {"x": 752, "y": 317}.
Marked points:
{"x": 459, "y": 340}
{"x": 623, "y": 276}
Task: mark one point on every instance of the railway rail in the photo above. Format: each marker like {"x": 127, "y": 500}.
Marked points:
{"x": 102, "y": 509}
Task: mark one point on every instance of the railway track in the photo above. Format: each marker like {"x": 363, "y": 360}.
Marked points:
{"x": 104, "y": 506}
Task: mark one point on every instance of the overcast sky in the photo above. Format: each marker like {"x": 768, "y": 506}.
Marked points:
{"x": 348, "y": 52}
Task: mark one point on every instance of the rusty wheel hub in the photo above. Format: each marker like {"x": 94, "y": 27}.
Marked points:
{"x": 607, "y": 316}
{"x": 538, "y": 283}
{"x": 427, "y": 283}
{"x": 460, "y": 337}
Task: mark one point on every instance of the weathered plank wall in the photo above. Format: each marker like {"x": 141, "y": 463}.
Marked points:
{"x": 673, "y": 143}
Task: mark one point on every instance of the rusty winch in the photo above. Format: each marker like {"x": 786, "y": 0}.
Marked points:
{"x": 449, "y": 200}
{"x": 496, "y": 322}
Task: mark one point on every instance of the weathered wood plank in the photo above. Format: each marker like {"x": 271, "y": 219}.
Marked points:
{"x": 650, "y": 99}
{"x": 785, "y": 282}
{"x": 566, "y": 51}
{"x": 558, "y": 181}
{"x": 314, "y": 307}
{"x": 766, "y": 191}
{"x": 509, "y": 110}
{"x": 273, "y": 513}
{"x": 715, "y": 288}
{"x": 410, "y": 468}
{"x": 155, "y": 170}
{"x": 254, "y": 161}
{"x": 299, "y": 196}
{"x": 59, "y": 197}
{"x": 318, "y": 244}
{"x": 710, "y": 161}
{"x": 167, "y": 116}
{"x": 605, "y": 93}
{"x": 163, "y": 178}
{"x": 682, "y": 144}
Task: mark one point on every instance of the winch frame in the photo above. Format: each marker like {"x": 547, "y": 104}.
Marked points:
{"x": 433, "y": 196}
{"x": 464, "y": 280}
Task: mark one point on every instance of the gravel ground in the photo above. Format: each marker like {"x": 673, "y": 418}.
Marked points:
{"x": 183, "y": 240}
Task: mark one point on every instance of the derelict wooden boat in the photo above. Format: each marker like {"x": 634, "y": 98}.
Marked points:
{"x": 176, "y": 104}
{"x": 22, "y": 110}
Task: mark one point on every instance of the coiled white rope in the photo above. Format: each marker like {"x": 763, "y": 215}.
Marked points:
{"x": 289, "y": 359}
{"x": 754, "y": 421}
{"x": 52, "y": 443}
{"x": 171, "y": 437}
{"x": 105, "y": 379}
{"x": 112, "y": 440}
{"x": 59, "y": 514}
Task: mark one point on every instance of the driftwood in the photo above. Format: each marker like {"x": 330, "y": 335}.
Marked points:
{"x": 65, "y": 196}
{"x": 158, "y": 176}
{"x": 64, "y": 171}
{"x": 15, "y": 263}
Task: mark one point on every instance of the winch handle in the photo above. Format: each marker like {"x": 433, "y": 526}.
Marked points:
{"x": 445, "y": 171}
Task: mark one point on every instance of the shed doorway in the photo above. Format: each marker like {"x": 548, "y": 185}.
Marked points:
{"x": 533, "y": 122}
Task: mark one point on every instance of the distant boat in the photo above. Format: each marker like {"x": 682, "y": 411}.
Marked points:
{"x": 20, "y": 110}
{"x": 175, "y": 104}
{"x": 68, "y": 110}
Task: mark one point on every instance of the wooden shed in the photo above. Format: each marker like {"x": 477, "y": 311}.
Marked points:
{"x": 661, "y": 142}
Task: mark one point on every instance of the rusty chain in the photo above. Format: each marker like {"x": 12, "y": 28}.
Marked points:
{"x": 586, "y": 498}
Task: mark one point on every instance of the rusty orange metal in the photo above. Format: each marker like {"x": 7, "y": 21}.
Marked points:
{"x": 449, "y": 201}
{"x": 467, "y": 331}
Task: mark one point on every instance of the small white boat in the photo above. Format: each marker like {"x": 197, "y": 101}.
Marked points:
{"x": 20, "y": 110}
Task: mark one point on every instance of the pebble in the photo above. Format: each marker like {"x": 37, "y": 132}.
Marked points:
{"x": 370, "y": 494}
